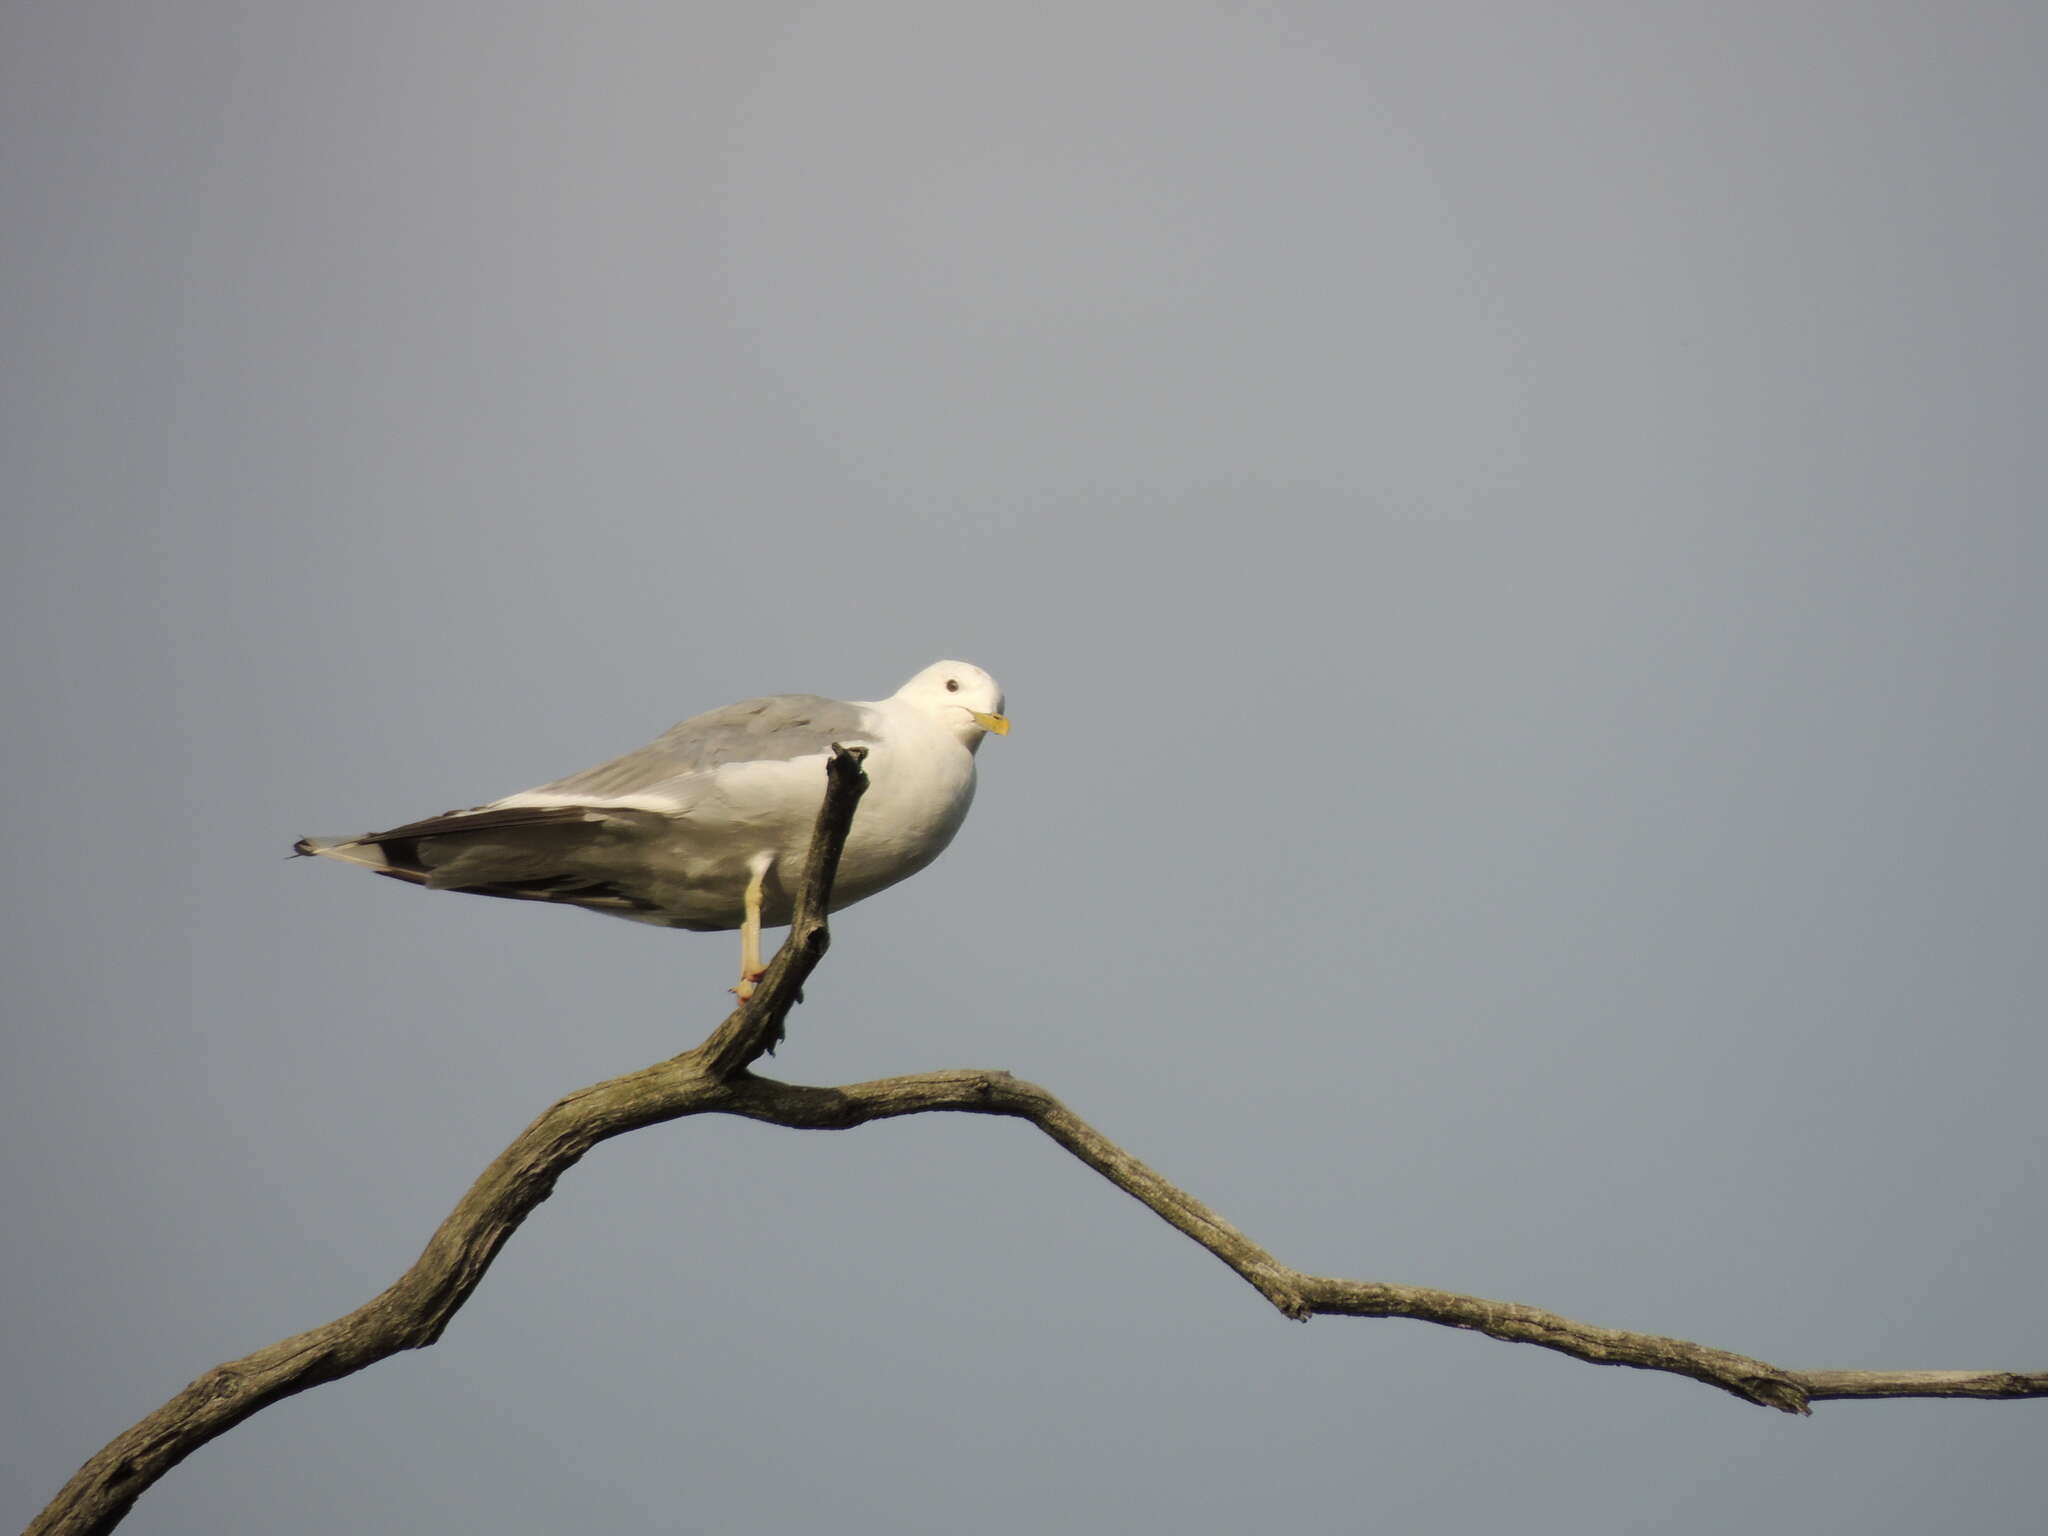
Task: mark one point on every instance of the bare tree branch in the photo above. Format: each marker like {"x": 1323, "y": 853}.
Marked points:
{"x": 1300, "y": 1295}
{"x": 415, "y": 1310}
{"x": 715, "y": 1078}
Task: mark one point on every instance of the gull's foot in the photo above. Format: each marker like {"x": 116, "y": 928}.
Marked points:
{"x": 749, "y": 980}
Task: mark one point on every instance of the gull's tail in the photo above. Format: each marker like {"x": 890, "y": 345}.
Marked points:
{"x": 363, "y": 852}
{"x": 524, "y": 853}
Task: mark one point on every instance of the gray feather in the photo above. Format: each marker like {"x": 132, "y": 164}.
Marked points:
{"x": 777, "y": 729}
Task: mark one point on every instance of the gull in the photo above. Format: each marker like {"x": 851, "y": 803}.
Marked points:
{"x": 708, "y": 826}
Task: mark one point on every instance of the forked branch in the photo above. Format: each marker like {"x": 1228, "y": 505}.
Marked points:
{"x": 715, "y": 1077}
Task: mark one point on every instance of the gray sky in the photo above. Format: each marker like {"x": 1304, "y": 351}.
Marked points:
{"x": 1514, "y": 538}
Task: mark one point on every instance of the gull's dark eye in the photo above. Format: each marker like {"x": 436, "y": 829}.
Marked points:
{"x": 952, "y": 685}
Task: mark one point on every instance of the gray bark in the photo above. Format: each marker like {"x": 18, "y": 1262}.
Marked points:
{"x": 717, "y": 1078}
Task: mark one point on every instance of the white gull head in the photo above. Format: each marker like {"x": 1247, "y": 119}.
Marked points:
{"x": 961, "y": 697}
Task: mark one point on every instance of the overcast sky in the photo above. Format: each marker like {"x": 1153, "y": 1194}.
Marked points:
{"x": 1514, "y": 537}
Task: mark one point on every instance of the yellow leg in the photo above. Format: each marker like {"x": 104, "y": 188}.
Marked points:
{"x": 751, "y": 968}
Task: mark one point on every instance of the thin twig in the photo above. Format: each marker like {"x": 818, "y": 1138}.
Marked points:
{"x": 754, "y": 1028}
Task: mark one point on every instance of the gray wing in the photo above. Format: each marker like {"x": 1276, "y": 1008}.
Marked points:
{"x": 561, "y": 842}
{"x": 777, "y": 729}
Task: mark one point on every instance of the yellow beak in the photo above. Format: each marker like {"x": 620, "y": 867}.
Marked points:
{"x": 995, "y": 725}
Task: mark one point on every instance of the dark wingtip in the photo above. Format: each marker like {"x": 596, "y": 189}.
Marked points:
{"x": 302, "y": 849}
